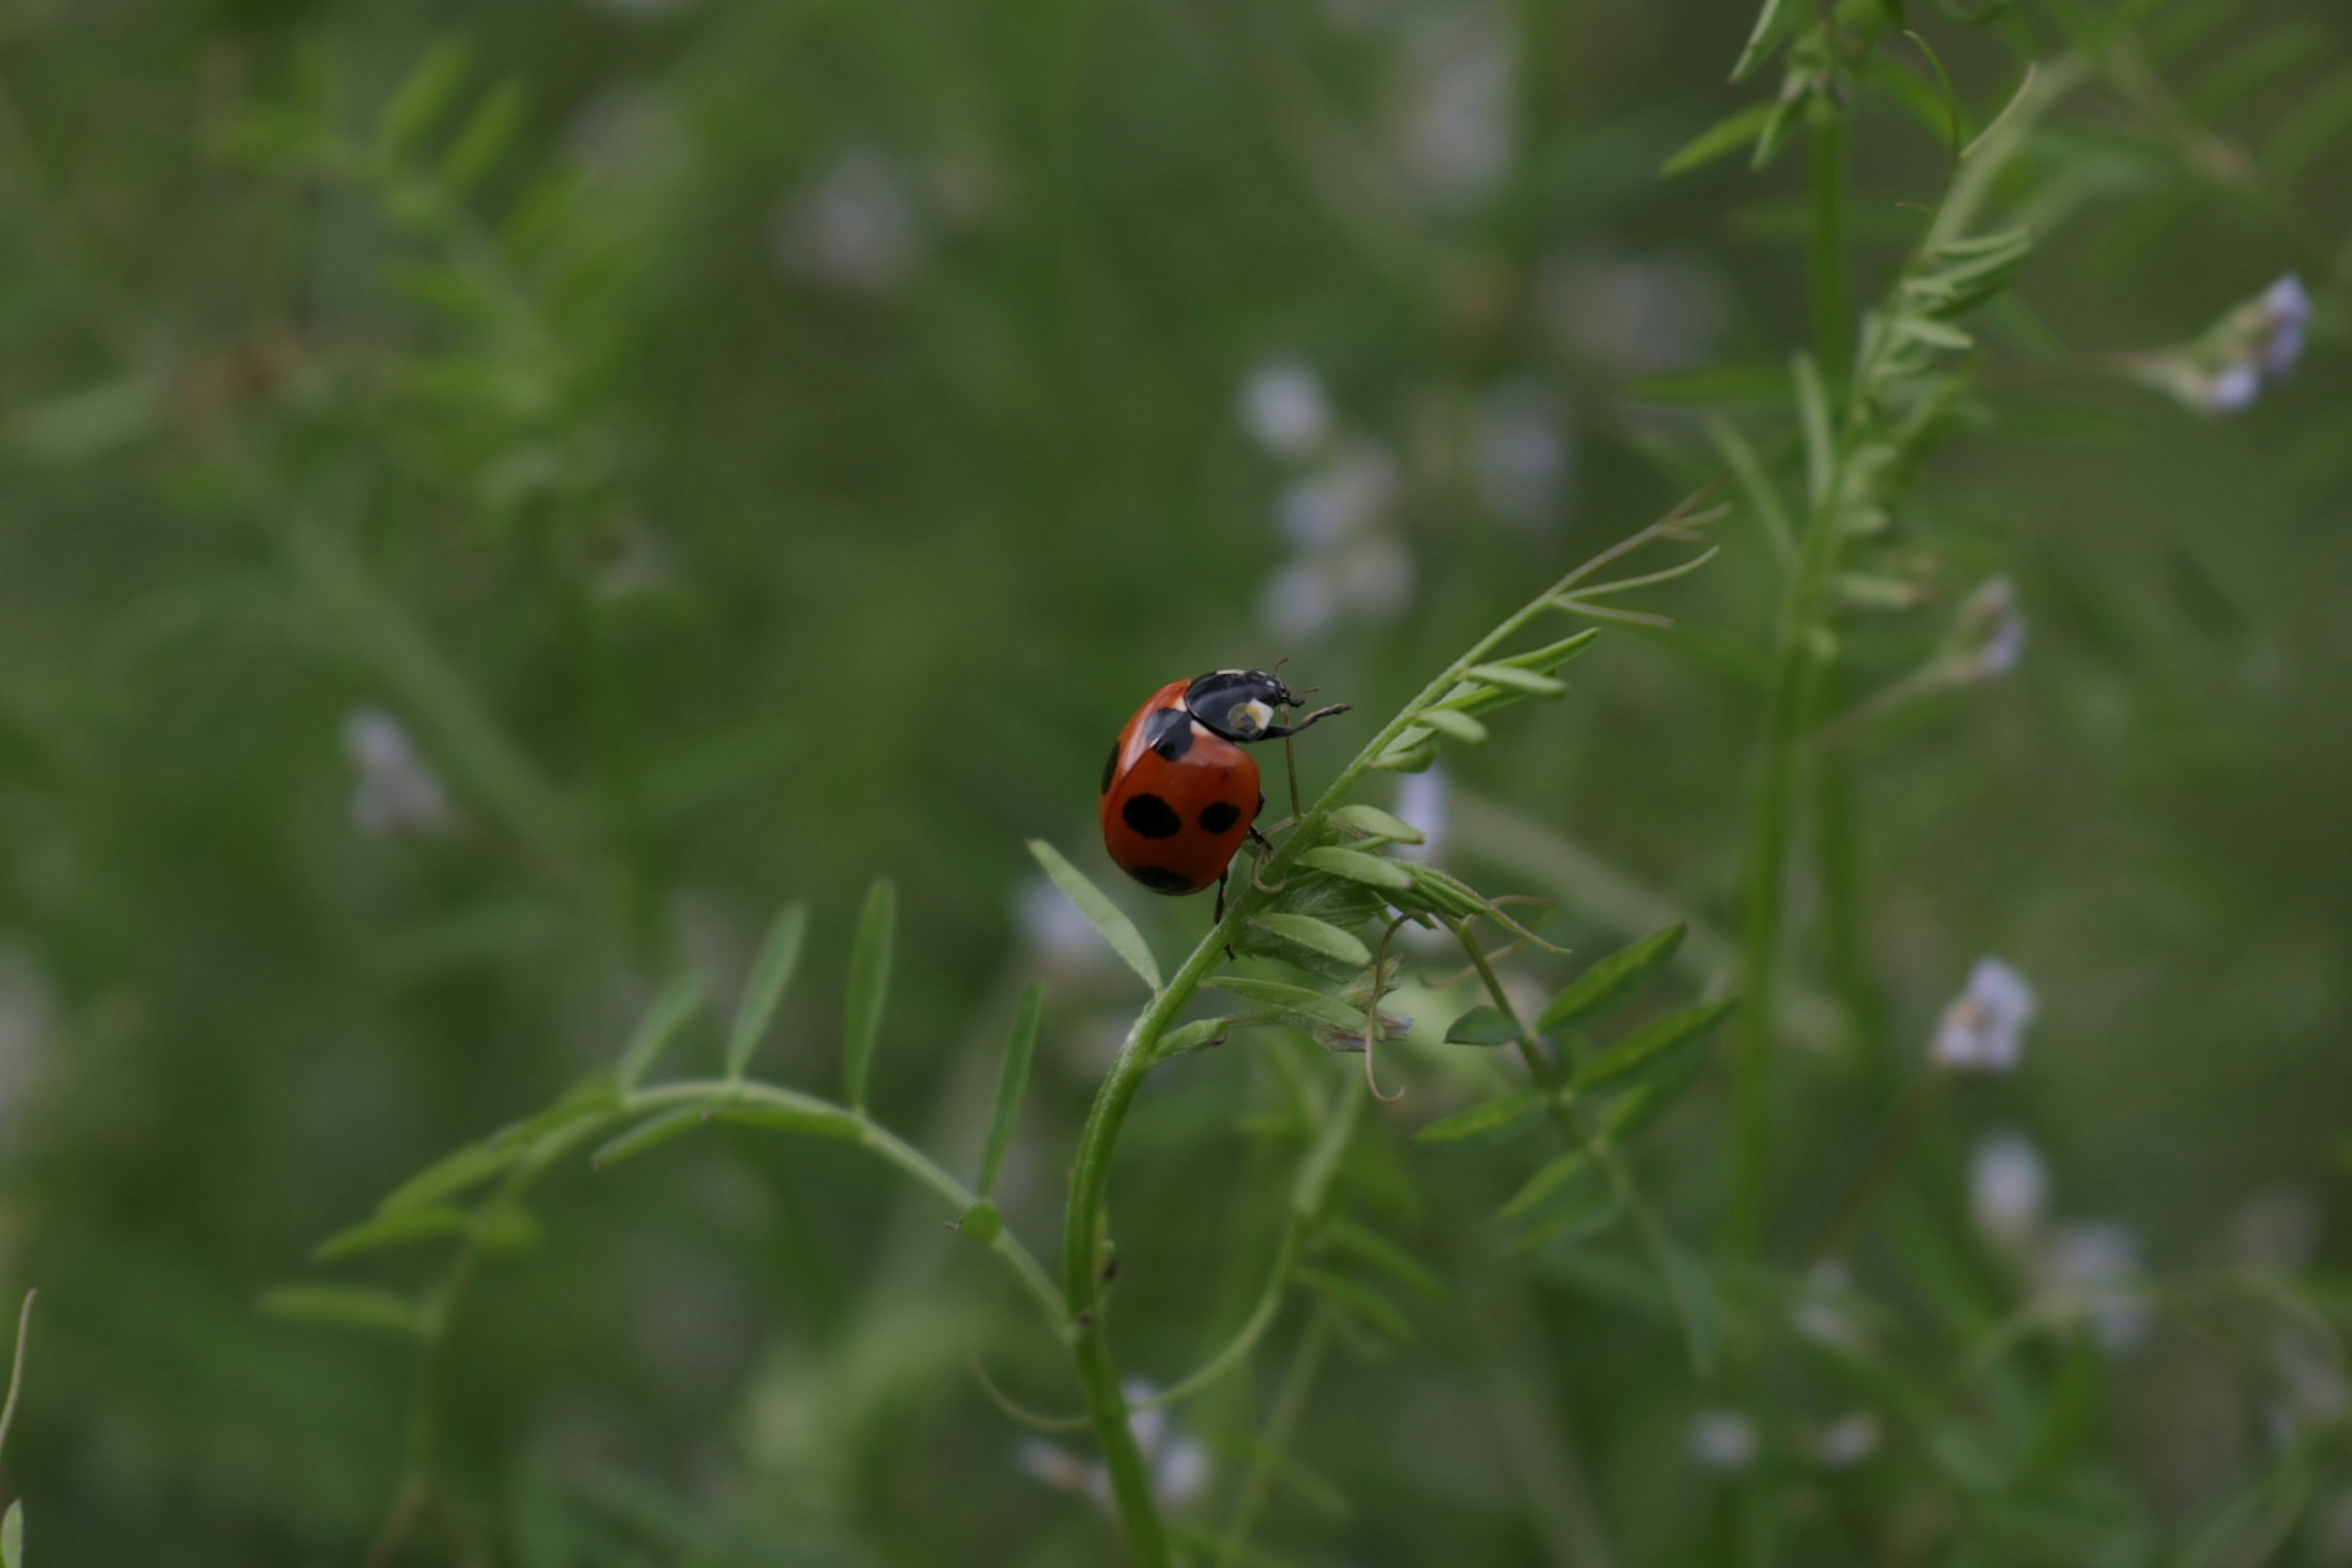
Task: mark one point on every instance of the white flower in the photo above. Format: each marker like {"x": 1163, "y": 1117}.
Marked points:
{"x": 853, "y": 227}
{"x": 1848, "y": 1440}
{"x": 395, "y": 791}
{"x": 1283, "y": 409}
{"x": 1638, "y": 314}
{"x": 1179, "y": 1465}
{"x": 2283, "y": 312}
{"x": 1453, "y": 126}
{"x": 1983, "y": 1030}
{"x": 1988, "y": 632}
{"x": 1521, "y": 452}
{"x": 2008, "y": 1189}
{"x": 1422, "y": 800}
{"x": 2092, "y": 1267}
{"x": 1722, "y": 1440}
{"x": 1299, "y": 601}
{"x": 1057, "y": 931}
{"x": 1351, "y": 493}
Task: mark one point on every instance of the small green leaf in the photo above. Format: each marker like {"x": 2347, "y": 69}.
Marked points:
{"x": 1315, "y": 936}
{"x": 1723, "y": 137}
{"x": 1011, "y": 1083}
{"x": 1512, "y": 678}
{"x": 983, "y": 1222}
{"x": 1758, "y": 38}
{"x": 1934, "y": 333}
{"x": 346, "y": 1306}
{"x": 1482, "y": 1025}
{"x": 1370, "y": 1247}
{"x": 1545, "y": 1184}
{"x": 1611, "y": 982}
{"x": 1544, "y": 660}
{"x": 1648, "y": 1050}
{"x": 12, "y": 1536}
{"x": 452, "y": 1175}
{"x": 648, "y": 1135}
{"x": 869, "y": 986}
{"x": 1635, "y": 1113}
{"x": 1407, "y": 758}
{"x": 1486, "y": 1123}
{"x": 486, "y": 138}
{"x": 1322, "y": 1010}
{"x": 1358, "y": 867}
{"x": 1359, "y": 1301}
{"x": 1778, "y": 126}
{"x": 392, "y": 1230}
{"x": 779, "y": 954}
{"x": 667, "y": 1014}
{"x": 1579, "y": 1211}
{"x": 427, "y": 90}
{"x": 1455, "y": 726}
{"x": 1107, "y": 917}
{"x": 1372, "y": 822}
{"x": 1203, "y": 1033}
{"x": 814, "y": 1121}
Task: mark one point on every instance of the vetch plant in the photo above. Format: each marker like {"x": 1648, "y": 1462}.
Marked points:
{"x": 1326, "y": 901}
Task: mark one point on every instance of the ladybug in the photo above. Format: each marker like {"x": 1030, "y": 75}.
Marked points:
{"x": 1178, "y": 794}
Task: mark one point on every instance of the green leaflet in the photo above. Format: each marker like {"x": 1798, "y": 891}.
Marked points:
{"x": 771, "y": 971}
{"x": 1651, "y": 1049}
{"x": 1482, "y": 1025}
{"x": 1315, "y": 936}
{"x": 1358, "y": 867}
{"x": 663, "y": 1016}
{"x": 1106, "y": 917}
{"x": 1612, "y": 980}
{"x": 869, "y": 987}
{"x": 1359, "y": 1301}
{"x": 1486, "y": 1123}
{"x": 348, "y": 1306}
{"x": 1011, "y": 1083}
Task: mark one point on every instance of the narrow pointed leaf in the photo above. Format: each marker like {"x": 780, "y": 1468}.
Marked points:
{"x": 452, "y": 1175}
{"x": 1372, "y": 822}
{"x": 1651, "y": 1050}
{"x": 1725, "y": 136}
{"x": 1576, "y": 1212}
{"x": 779, "y": 954}
{"x": 1934, "y": 333}
{"x": 1372, "y": 1249}
{"x": 1011, "y": 1083}
{"x": 1544, "y": 660}
{"x": 1692, "y": 1293}
{"x": 1358, "y": 867}
{"x": 1758, "y": 38}
{"x": 1547, "y": 1184}
{"x": 1107, "y": 917}
{"x": 1359, "y": 1301}
{"x": 869, "y": 986}
{"x": 1296, "y": 1000}
{"x": 12, "y": 1536}
{"x": 1203, "y": 1033}
{"x": 1315, "y": 936}
{"x": 667, "y": 1014}
{"x": 1611, "y": 982}
{"x": 1486, "y": 1123}
{"x": 1513, "y": 678}
{"x": 814, "y": 1122}
{"x": 1454, "y": 725}
{"x": 488, "y": 133}
{"x": 428, "y": 90}
{"x": 1635, "y": 1113}
{"x": 346, "y": 1306}
{"x": 1402, "y": 758}
{"x": 648, "y": 1135}
{"x": 1482, "y": 1025}
{"x": 396, "y": 1229}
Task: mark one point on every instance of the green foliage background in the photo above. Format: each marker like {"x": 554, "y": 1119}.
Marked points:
{"x": 489, "y": 390}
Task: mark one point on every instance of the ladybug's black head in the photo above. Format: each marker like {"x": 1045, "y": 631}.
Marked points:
{"x": 1239, "y": 704}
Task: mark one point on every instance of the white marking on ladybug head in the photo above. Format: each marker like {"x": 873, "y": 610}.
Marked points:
{"x": 1248, "y": 719}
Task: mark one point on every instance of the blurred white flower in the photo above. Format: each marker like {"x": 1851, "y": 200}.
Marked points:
{"x": 2009, "y": 1190}
{"x": 1179, "y": 1465}
{"x": 1061, "y": 936}
{"x": 1521, "y": 452}
{"x": 1722, "y": 1440}
{"x": 1825, "y": 1312}
{"x": 1988, "y": 636}
{"x": 854, "y": 226}
{"x": 1636, "y": 315}
{"x": 395, "y": 791}
{"x": 1453, "y": 111}
{"x": 1848, "y": 1440}
{"x": 1983, "y": 1028}
{"x": 1300, "y": 601}
{"x": 1374, "y": 576}
{"x": 1422, "y": 800}
{"x": 1353, "y": 492}
{"x": 2092, "y": 1267}
{"x": 1283, "y": 409}
{"x": 2258, "y": 343}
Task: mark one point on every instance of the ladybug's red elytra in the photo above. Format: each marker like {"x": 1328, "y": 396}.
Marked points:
{"x": 1178, "y": 794}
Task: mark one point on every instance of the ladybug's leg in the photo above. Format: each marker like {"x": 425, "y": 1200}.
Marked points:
{"x": 1289, "y": 758}
{"x": 1272, "y": 731}
{"x": 1219, "y": 917}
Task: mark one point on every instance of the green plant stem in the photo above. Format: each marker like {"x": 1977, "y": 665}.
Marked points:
{"x": 1084, "y": 1223}
{"x": 1833, "y": 323}
{"x": 1880, "y": 1165}
{"x": 1281, "y": 1421}
{"x": 872, "y": 1136}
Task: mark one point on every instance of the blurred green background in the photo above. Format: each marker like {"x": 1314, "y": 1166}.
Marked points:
{"x": 494, "y": 500}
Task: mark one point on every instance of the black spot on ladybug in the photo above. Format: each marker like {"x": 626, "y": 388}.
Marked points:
{"x": 1151, "y": 816}
{"x": 1160, "y": 879}
{"x": 1168, "y": 732}
{"x": 1110, "y": 766}
{"x": 1220, "y": 817}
